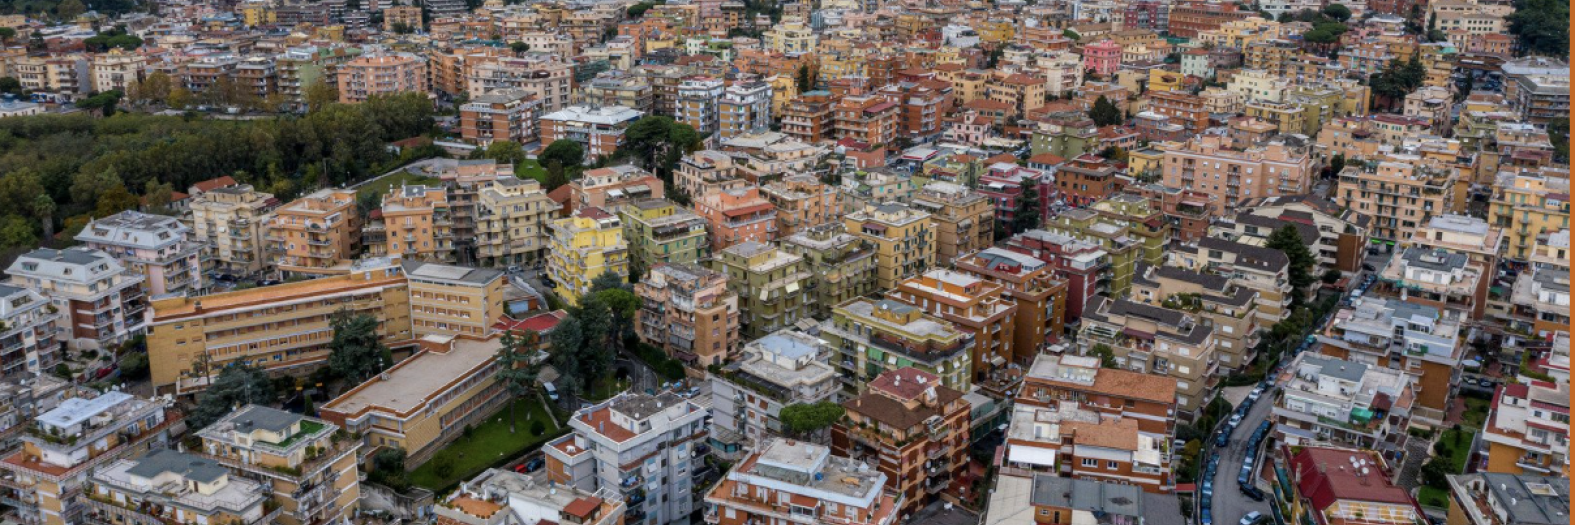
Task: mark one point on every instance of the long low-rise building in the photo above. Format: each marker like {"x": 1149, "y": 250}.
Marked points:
{"x": 427, "y": 399}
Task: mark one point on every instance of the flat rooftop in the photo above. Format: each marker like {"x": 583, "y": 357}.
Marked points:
{"x": 411, "y": 383}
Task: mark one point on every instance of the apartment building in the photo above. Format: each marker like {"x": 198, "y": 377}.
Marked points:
{"x": 802, "y": 201}
{"x": 974, "y": 306}
{"x": 1064, "y": 439}
{"x": 689, "y": 312}
{"x": 427, "y": 400}
{"x": 508, "y": 115}
{"x": 913, "y": 428}
{"x": 964, "y": 220}
{"x": 1157, "y": 341}
{"x": 785, "y": 368}
{"x": 708, "y": 171}
{"x": 841, "y": 266}
{"x": 62, "y": 447}
{"x": 922, "y": 106}
{"x": 283, "y": 328}
{"x": 1230, "y": 309}
{"x": 1398, "y": 196}
{"x": 100, "y": 303}
{"x": 232, "y": 220}
{"x": 1489, "y": 498}
{"x": 612, "y": 187}
{"x": 169, "y": 486}
{"x": 872, "y": 337}
{"x": 1424, "y": 342}
{"x": 1537, "y": 88}
{"x": 1341, "y": 233}
{"x": 1121, "y": 247}
{"x": 738, "y": 216}
{"x": 1113, "y": 393}
{"x": 317, "y": 234}
{"x": 744, "y": 108}
{"x": 1082, "y": 264}
{"x": 868, "y": 119}
{"x": 1527, "y": 204}
{"x": 698, "y": 100}
{"x": 454, "y": 300}
{"x": 511, "y": 219}
{"x": 584, "y": 247}
{"x": 599, "y": 129}
{"x": 1262, "y": 270}
{"x": 640, "y": 446}
{"x": 904, "y": 239}
{"x": 158, "y": 247}
{"x": 545, "y": 75}
{"x": 1030, "y": 284}
{"x": 661, "y": 232}
{"x": 366, "y": 77}
{"x": 117, "y": 70}
{"x": 500, "y": 497}
{"x": 417, "y": 224}
{"x": 1023, "y": 92}
{"x": 1329, "y": 400}
{"x": 1539, "y": 299}
{"x": 828, "y": 488}
{"x": 1527, "y": 429}
{"x": 769, "y": 283}
{"x": 1204, "y": 165}
{"x": 808, "y": 117}
{"x": 618, "y": 88}
{"x": 1434, "y": 277}
{"x": 303, "y": 463}
{"x": 1336, "y": 484}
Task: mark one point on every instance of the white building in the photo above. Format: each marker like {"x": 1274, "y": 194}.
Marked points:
{"x": 102, "y": 304}
{"x": 640, "y": 446}
{"x": 1333, "y": 400}
{"x": 781, "y": 369}
{"x": 30, "y": 332}
{"x": 155, "y": 246}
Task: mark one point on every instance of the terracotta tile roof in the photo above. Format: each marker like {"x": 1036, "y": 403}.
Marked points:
{"x": 216, "y": 183}
{"x": 583, "y": 507}
{"x": 1325, "y": 476}
{"x": 1121, "y": 434}
{"x": 601, "y": 420}
{"x": 905, "y": 383}
{"x": 476, "y": 507}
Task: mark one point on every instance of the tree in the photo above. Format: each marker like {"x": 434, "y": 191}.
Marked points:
{"x": 1106, "y": 355}
{"x": 320, "y": 94}
{"x": 556, "y": 176}
{"x": 17, "y": 232}
{"x": 1288, "y": 240}
{"x": 1072, "y": 35}
{"x": 1338, "y": 12}
{"x": 1541, "y": 27}
{"x": 638, "y": 10}
{"x": 803, "y": 419}
{"x": 388, "y": 469}
{"x": 1336, "y": 164}
{"x": 1330, "y": 277}
{"x": 566, "y": 152}
{"x": 44, "y": 208}
{"x": 1027, "y": 215}
{"x": 157, "y": 195}
{"x": 236, "y": 386}
{"x": 134, "y": 366}
{"x": 519, "y": 47}
{"x": 1114, "y": 154}
{"x": 6, "y": 34}
{"x": 803, "y": 79}
{"x": 610, "y": 281}
{"x": 1104, "y": 112}
{"x": 11, "y": 86}
{"x": 179, "y": 98}
{"x": 355, "y": 353}
{"x": 69, "y": 10}
{"x": 505, "y": 151}
{"x": 516, "y": 368}
{"x": 1559, "y": 133}
{"x": 153, "y": 88}
{"x": 117, "y": 199}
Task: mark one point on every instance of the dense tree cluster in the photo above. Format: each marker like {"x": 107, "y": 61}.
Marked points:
{"x": 585, "y": 343}
{"x": 72, "y": 167}
{"x": 1541, "y": 27}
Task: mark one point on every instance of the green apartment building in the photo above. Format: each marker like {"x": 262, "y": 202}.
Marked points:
{"x": 1123, "y": 248}
{"x": 871, "y": 337}
{"x": 1144, "y": 222}
{"x": 771, "y": 285}
{"x": 841, "y": 266}
{"x": 659, "y": 231}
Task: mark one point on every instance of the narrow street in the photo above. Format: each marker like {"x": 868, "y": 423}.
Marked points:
{"x": 1229, "y": 502}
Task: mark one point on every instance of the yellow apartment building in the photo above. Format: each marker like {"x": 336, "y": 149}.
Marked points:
{"x": 231, "y": 220}
{"x": 454, "y": 300}
{"x": 584, "y": 247}
{"x": 904, "y": 240}
{"x": 1528, "y": 204}
{"x": 283, "y": 328}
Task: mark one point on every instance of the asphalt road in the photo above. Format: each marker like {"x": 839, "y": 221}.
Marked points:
{"x": 1229, "y": 503}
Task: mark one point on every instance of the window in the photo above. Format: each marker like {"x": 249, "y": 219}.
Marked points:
{"x": 1090, "y": 462}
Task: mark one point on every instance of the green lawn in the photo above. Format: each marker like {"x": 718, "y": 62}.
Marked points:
{"x": 532, "y": 169}
{"x": 606, "y": 388}
{"x": 489, "y": 444}
{"x": 382, "y": 185}
{"x": 1431, "y": 497}
{"x": 1459, "y": 442}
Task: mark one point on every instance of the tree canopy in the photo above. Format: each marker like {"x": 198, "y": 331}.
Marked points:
{"x": 802, "y": 419}
{"x": 355, "y": 353}
{"x": 1104, "y": 112}
{"x": 237, "y": 385}
{"x": 1542, "y": 27}
{"x": 1288, "y": 240}
{"x": 567, "y": 152}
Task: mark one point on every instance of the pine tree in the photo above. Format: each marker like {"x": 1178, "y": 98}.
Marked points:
{"x": 1288, "y": 240}
{"x": 1104, "y": 112}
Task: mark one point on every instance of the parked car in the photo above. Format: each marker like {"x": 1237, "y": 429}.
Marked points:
{"x": 1252, "y": 518}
